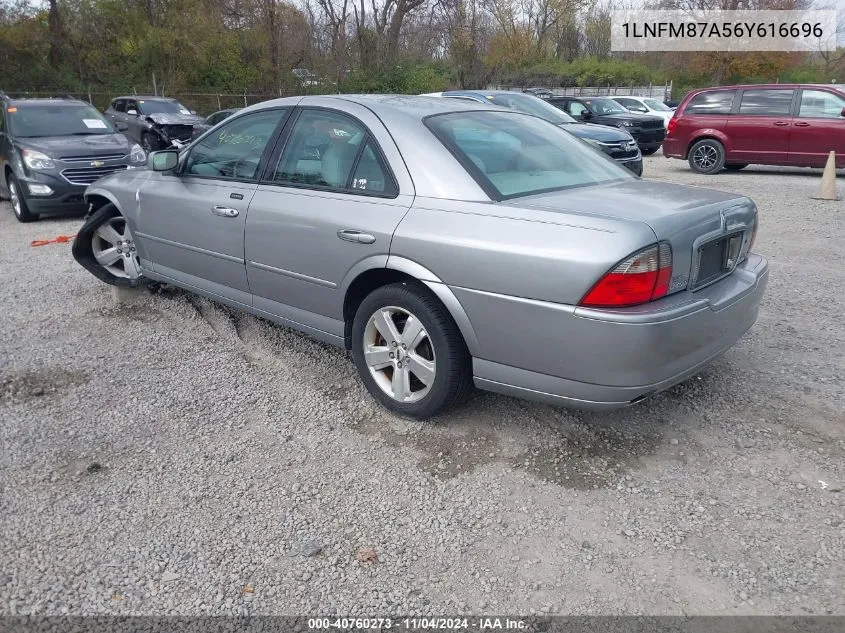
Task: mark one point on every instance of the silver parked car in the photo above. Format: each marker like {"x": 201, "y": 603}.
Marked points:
{"x": 443, "y": 243}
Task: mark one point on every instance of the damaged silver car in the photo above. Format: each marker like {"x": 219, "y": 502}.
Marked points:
{"x": 154, "y": 122}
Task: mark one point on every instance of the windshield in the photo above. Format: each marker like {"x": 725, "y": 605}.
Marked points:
{"x": 34, "y": 120}
{"x": 162, "y": 107}
{"x": 529, "y": 104}
{"x": 512, "y": 155}
{"x": 656, "y": 105}
{"x": 603, "y": 105}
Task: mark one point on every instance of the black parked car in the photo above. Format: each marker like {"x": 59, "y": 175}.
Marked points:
{"x": 212, "y": 120}
{"x": 648, "y": 130}
{"x": 52, "y": 149}
{"x": 154, "y": 122}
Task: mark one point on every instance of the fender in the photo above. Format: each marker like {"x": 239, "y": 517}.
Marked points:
{"x": 444, "y": 293}
{"x": 709, "y": 132}
{"x": 103, "y": 193}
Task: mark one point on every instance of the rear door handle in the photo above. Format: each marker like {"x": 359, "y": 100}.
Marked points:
{"x": 781, "y": 123}
{"x": 226, "y": 212}
{"x": 802, "y": 124}
{"x": 350, "y": 235}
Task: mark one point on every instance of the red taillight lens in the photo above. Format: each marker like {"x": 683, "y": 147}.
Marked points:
{"x": 641, "y": 278}
{"x": 670, "y": 127}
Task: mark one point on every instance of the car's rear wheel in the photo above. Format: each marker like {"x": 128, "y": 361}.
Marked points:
{"x": 409, "y": 352}
{"x": 105, "y": 246}
{"x": 18, "y": 202}
{"x": 736, "y": 166}
{"x": 707, "y": 156}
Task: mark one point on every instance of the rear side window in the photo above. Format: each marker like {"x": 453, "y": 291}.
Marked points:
{"x": 820, "y": 104}
{"x": 713, "y": 102}
{"x": 766, "y": 102}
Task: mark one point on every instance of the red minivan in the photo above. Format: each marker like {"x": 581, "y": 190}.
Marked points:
{"x": 730, "y": 127}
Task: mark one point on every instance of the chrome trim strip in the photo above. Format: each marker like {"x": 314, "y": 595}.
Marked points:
{"x": 289, "y": 273}
{"x": 188, "y": 247}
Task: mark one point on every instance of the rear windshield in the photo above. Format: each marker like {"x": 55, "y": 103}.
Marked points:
{"x": 34, "y": 120}
{"x": 529, "y": 104}
{"x": 512, "y": 155}
{"x": 162, "y": 107}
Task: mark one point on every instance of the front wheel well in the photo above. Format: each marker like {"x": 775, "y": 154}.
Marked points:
{"x": 96, "y": 202}
{"x": 705, "y": 137}
{"x": 361, "y": 287}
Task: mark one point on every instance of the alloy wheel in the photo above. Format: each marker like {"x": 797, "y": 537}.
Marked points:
{"x": 399, "y": 354}
{"x": 705, "y": 156}
{"x": 114, "y": 249}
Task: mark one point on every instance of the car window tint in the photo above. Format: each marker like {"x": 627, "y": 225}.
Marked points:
{"x": 132, "y": 105}
{"x": 513, "y": 154}
{"x": 370, "y": 174}
{"x": 321, "y": 150}
{"x": 235, "y": 149}
{"x": 56, "y": 119}
{"x": 713, "y": 102}
{"x": 763, "y": 102}
{"x": 820, "y": 104}
{"x": 119, "y": 105}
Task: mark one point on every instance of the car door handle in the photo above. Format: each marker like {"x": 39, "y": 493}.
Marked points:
{"x": 226, "y": 212}
{"x": 801, "y": 124}
{"x": 781, "y": 123}
{"x": 349, "y": 235}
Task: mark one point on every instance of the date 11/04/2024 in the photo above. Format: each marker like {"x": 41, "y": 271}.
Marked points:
{"x": 417, "y": 624}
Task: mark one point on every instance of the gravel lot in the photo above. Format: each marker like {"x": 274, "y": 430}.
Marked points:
{"x": 173, "y": 456}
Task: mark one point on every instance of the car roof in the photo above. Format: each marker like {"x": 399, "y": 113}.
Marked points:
{"x": 46, "y": 100}
{"x": 838, "y": 87}
{"x": 482, "y": 93}
{"x": 145, "y": 98}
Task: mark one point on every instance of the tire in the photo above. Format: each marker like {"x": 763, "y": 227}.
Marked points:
{"x": 149, "y": 143}
{"x": 439, "y": 350}
{"x": 648, "y": 151}
{"x": 19, "y": 206}
{"x": 707, "y": 156}
{"x": 736, "y": 166}
{"x": 102, "y": 246}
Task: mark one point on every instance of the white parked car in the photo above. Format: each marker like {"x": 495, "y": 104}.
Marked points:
{"x": 646, "y": 105}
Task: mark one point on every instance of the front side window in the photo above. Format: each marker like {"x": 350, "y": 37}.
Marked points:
{"x": 657, "y": 106}
{"x": 766, "y": 102}
{"x": 631, "y": 104}
{"x": 820, "y": 104}
{"x": 713, "y": 102}
{"x": 576, "y": 108}
{"x": 331, "y": 150}
{"x": 235, "y": 149}
{"x": 512, "y": 155}
{"x": 34, "y": 120}
{"x": 119, "y": 105}
{"x": 131, "y": 106}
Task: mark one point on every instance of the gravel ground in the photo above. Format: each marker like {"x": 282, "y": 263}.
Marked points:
{"x": 173, "y": 456}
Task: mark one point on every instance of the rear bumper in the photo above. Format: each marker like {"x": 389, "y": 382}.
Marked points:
{"x": 600, "y": 359}
{"x": 673, "y": 148}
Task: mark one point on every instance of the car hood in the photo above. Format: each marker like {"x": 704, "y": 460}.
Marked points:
{"x": 629, "y": 116}
{"x": 601, "y": 133}
{"x": 174, "y": 118}
{"x": 77, "y": 146}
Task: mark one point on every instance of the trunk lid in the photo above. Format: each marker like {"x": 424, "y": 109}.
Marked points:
{"x": 686, "y": 217}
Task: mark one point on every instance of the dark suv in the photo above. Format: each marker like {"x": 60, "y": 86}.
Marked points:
{"x": 154, "y": 122}
{"x": 648, "y": 130}
{"x": 730, "y": 127}
{"x": 52, "y": 149}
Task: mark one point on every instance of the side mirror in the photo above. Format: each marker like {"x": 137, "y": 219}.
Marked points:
{"x": 165, "y": 160}
{"x": 586, "y": 114}
{"x": 193, "y": 111}
{"x": 121, "y": 126}
{"x": 842, "y": 113}
{"x": 132, "y": 112}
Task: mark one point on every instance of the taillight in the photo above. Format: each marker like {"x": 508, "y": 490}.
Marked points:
{"x": 673, "y": 123}
{"x": 641, "y": 278}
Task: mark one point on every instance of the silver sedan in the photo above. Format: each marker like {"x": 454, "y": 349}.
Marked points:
{"x": 443, "y": 244}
